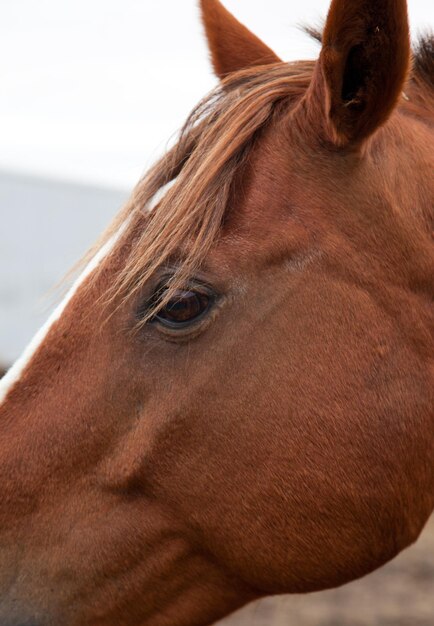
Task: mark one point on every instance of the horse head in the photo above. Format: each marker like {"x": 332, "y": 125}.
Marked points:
{"x": 235, "y": 398}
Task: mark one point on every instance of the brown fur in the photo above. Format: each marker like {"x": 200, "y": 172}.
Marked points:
{"x": 363, "y": 66}
{"x": 284, "y": 443}
{"x": 232, "y": 46}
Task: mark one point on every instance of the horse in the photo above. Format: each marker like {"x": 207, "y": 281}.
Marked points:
{"x": 235, "y": 399}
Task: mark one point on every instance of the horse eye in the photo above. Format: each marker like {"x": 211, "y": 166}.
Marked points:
{"x": 183, "y": 308}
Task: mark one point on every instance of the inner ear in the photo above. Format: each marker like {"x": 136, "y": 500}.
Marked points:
{"x": 355, "y": 78}
{"x": 361, "y": 71}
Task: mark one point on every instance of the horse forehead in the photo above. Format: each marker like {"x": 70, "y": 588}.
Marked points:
{"x": 273, "y": 215}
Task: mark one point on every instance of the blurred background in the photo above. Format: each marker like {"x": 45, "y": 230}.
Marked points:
{"x": 92, "y": 93}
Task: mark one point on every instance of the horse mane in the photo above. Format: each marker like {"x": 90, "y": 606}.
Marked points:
{"x": 212, "y": 147}
{"x": 423, "y": 65}
{"x": 197, "y": 177}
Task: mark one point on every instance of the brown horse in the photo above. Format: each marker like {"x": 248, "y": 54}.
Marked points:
{"x": 236, "y": 397}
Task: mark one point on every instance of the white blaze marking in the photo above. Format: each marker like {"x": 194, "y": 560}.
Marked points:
{"x": 14, "y": 374}
{"x": 160, "y": 194}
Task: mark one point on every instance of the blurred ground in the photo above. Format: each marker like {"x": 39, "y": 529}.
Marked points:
{"x": 399, "y": 594}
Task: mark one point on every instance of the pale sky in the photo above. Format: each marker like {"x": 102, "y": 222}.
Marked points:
{"x": 93, "y": 89}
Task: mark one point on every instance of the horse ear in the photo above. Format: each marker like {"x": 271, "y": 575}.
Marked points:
{"x": 362, "y": 67}
{"x": 233, "y": 47}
